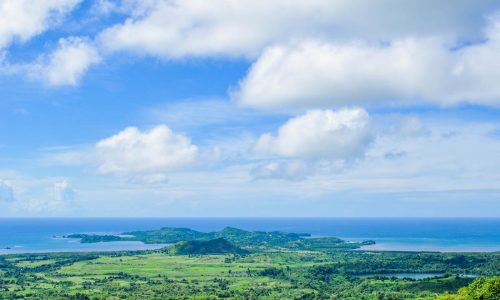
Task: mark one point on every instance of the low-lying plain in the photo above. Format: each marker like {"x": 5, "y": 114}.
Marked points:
{"x": 243, "y": 265}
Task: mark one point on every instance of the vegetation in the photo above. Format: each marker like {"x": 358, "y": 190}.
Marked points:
{"x": 251, "y": 240}
{"x": 87, "y": 238}
{"x": 480, "y": 289}
{"x": 215, "y": 246}
{"x": 224, "y": 265}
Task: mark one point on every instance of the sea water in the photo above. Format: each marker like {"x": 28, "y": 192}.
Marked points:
{"x": 26, "y": 235}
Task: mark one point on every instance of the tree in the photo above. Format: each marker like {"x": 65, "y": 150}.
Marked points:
{"x": 479, "y": 289}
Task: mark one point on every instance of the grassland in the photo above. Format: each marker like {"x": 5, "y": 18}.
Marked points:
{"x": 266, "y": 275}
{"x": 283, "y": 266}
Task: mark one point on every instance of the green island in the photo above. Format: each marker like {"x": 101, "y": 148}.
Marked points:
{"x": 238, "y": 264}
{"x": 251, "y": 240}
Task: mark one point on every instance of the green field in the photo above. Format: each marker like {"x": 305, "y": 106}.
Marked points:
{"x": 265, "y": 275}
{"x": 237, "y": 264}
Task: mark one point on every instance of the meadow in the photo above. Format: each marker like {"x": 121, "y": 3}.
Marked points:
{"x": 239, "y": 264}
{"x": 266, "y": 275}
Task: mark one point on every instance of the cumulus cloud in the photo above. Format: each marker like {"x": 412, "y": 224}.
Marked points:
{"x": 321, "y": 134}
{"x": 317, "y": 142}
{"x": 132, "y": 151}
{"x": 410, "y": 70}
{"x": 6, "y": 191}
{"x": 20, "y": 20}
{"x": 62, "y": 191}
{"x": 173, "y": 29}
{"x": 66, "y": 65}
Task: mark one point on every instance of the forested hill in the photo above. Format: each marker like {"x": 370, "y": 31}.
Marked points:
{"x": 238, "y": 237}
{"x": 215, "y": 246}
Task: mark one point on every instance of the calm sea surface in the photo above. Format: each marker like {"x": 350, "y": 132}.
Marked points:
{"x": 470, "y": 235}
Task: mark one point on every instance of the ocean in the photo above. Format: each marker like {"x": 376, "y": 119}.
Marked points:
{"x": 29, "y": 235}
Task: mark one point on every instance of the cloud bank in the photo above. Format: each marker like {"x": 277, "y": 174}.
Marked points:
{"x": 200, "y": 28}
{"x": 408, "y": 71}
{"x": 357, "y": 51}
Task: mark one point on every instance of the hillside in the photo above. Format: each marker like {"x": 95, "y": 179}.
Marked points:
{"x": 168, "y": 235}
{"x": 215, "y": 246}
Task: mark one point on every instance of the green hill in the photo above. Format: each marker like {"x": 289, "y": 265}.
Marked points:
{"x": 215, "y": 246}
{"x": 257, "y": 238}
{"x": 167, "y": 235}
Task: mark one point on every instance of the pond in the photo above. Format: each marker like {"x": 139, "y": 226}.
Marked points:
{"x": 415, "y": 276}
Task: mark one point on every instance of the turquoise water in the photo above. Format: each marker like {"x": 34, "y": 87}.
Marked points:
{"x": 409, "y": 234}
{"x": 449, "y": 244}
{"x": 415, "y": 276}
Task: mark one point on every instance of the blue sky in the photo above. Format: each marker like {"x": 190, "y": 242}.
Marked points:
{"x": 221, "y": 108}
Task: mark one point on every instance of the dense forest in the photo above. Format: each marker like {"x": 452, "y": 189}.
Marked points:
{"x": 237, "y": 264}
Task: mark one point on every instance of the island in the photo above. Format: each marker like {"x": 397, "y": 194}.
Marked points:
{"x": 250, "y": 240}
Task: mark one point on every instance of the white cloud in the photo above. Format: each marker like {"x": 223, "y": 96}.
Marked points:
{"x": 62, "y": 191}
{"x": 155, "y": 178}
{"x": 411, "y": 126}
{"x": 150, "y": 152}
{"x": 66, "y": 65}
{"x": 43, "y": 195}
{"x": 410, "y": 70}
{"x": 206, "y": 28}
{"x": 289, "y": 170}
{"x": 6, "y": 191}
{"x": 135, "y": 8}
{"x": 41, "y": 206}
{"x": 432, "y": 162}
{"x": 173, "y": 29}
{"x": 20, "y": 20}
{"x": 55, "y": 199}
{"x": 104, "y": 7}
{"x": 321, "y": 134}
{"x": 400, "y": 126}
